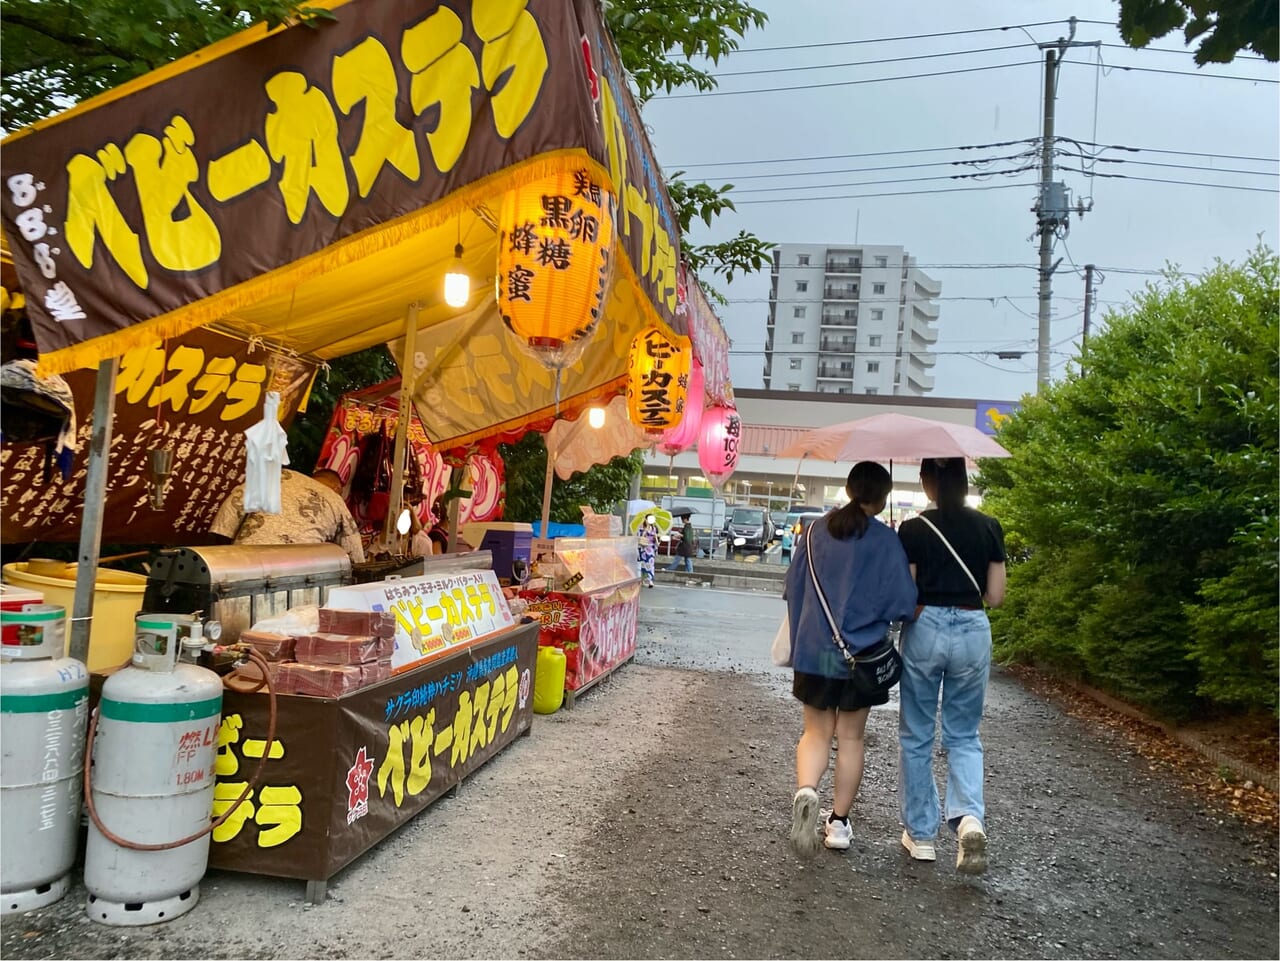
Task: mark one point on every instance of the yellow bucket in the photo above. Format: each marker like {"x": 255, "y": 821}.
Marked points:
{"x": 548, "y": 686}
{"x": 117, "y": 598}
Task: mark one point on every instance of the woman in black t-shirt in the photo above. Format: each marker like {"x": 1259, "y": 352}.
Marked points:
{"x": 957, "y": 559}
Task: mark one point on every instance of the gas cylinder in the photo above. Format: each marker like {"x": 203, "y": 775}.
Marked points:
{"x": 44, "y": 703}
{"x": 152, "y": 779}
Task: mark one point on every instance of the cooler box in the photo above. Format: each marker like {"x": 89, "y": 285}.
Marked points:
{"x": 506, "y": 540}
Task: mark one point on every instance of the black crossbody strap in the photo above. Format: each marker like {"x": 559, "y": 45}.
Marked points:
{"x": 822, "y": 599}
{"x": 965, "y": 567}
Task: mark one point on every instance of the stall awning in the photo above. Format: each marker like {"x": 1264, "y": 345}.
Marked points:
{"x": 306, "y": 185}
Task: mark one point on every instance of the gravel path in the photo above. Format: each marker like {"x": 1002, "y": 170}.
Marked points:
{"x": 651, "y": 821}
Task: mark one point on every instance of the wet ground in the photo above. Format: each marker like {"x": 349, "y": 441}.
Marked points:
{"x": 651, "y": 821}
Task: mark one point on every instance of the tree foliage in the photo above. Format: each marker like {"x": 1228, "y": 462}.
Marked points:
{"x": 1142, "y": 500}
{"x": 601, "y": 487}
{"x": 1223, "y": 27}
{"x": 658, "y": 41}
{"x": 59, "y": 52}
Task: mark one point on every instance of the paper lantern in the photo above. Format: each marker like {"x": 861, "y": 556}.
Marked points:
{"x": 685, "y": 433}
{"x": 658, "y": 380}
{"x": 555, "y": 256}
{"x": 718, "y": 443}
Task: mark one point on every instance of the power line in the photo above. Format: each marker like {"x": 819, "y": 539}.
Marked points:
{"x": 1107, "y": 67}
{"x": 902, "y": 180}
{"x": 842, "y": 83}
{"x": 887, "y": 193}
{"x": 958, "y": 147}
{"x": 867, "y": 63}
{"x": 918, "y": 36}
{"x": 1165, "y": 180}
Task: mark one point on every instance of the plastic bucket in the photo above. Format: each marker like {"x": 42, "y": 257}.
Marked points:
{"x": 117, "y": 598}
{"x": 548, "y": 685}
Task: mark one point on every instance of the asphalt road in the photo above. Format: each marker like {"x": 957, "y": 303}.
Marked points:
{"x": 651, "y": 821}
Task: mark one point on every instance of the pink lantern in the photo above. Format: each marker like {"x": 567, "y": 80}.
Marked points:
{"x": 686, "y": 432}
{"x": 718, "y": 445}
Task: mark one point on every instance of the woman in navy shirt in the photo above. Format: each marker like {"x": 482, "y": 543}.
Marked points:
{"x": 863, "y": 571}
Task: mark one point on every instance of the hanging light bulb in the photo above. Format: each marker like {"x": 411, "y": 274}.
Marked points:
{"x": 595, "y": 417}
{"x": 457, "y": 282}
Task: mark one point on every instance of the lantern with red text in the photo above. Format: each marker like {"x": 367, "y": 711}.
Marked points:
{"x": 658, "y": 380}
{"x": 718, "y": 443}
{"x": 685, "y": 433}
{"x": 555, "y": 257}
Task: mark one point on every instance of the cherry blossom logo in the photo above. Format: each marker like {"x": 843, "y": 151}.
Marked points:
{"x": 593, "y": 78}
{"x": 358, "y": 787}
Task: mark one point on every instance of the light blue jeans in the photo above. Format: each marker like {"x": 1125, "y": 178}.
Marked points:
{"x": 686, "y": 561}
{"x": 947, "y": 648}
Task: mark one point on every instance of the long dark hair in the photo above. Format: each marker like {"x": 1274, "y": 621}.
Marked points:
{"x": 868, "y": 483}
{"x": 950, "y": 481}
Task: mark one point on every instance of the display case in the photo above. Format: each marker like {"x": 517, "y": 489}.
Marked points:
{"x": 585, "y": 593}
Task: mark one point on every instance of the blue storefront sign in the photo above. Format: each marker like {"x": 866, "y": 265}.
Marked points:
{"x": 990, "y": 415}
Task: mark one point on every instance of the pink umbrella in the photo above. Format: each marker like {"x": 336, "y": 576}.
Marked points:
{"x": 890, "y": 437}
{"x": 887, "y": 437}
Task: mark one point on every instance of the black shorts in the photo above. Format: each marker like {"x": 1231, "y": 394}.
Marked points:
{"x": 833, "y": 693}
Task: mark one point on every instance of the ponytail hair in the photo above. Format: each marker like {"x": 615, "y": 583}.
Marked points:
{"x": 868, "y": 483}
{"x": 949, "y": 479}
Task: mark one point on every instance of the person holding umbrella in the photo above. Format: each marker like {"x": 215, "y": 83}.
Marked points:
{"x": 957, "y": 558}
{"x": 687, "y": 546}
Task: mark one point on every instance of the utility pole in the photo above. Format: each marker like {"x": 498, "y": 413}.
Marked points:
{"x": 1088, "y": 301}
{"x": 1088, "y": 309}
{"x": 1053, "y": 206}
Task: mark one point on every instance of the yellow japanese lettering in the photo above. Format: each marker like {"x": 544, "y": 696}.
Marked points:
{"x": 479, "y": 733}
{"x": 92, "y": 212}
{"x": 513, "y": 62}
{"x": 422, "y": 737}
{"x": 238, "y": 171}
{"x": 213, "y": 383}
{"x": 279, "y": 815}
{"x": 365, "y": 73}
{"x": 497, "y": 697}
{"x": 164, "y": 170}
{"x": 225, "y": 795}
{"x": 444, "y": 74}
{"x": 461, "y": 731}
{"x": 509, "y": 696}
{"x": 302, "y": 134}
{"x": 228, "y": 735}
{"x": 461, "y": 604}
{"x": 392, "y": 768}
{"x": 184, "y": 364}
{"x": 139, "y": 370}
{"x": 255, "y": 746}
{"x": 246, "y": 391}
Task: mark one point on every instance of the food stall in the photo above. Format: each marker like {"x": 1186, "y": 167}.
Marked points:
{"x": 322, "y": 210}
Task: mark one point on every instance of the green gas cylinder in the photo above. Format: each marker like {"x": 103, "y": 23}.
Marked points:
{"x": 548, "y": 687}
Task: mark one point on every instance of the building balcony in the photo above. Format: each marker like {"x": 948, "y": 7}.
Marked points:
{"x": 835, "y": 372}
{"x": 850, "y": 266}
{"x": 922, "y": 336}
{"x": 837, "y": 345}
{"x": 834, "y": 320}
{"x": 840, "y": 293}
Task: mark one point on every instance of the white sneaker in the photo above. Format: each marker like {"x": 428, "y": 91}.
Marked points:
{"x": 838, "y": 834}
{"x": 971, "y": 858}
{"x": 804, "y": 821}
{"x": 919, "y": 850}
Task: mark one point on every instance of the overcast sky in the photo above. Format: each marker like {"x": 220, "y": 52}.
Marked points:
{"x": 1133, "y": 224}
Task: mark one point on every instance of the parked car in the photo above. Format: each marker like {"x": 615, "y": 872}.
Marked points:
{"x": 793, "y": 515}
{"x": 752, "y": 526}
{"x": 779, "y": 522}
{"x": 804, "y": 520}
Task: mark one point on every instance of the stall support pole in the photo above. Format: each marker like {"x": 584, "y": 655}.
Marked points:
{"x": 552, "y": 453}
{"x": 456, "y": 475}
{"x": 95, "y": 491}
{"x": 402, "y": 423}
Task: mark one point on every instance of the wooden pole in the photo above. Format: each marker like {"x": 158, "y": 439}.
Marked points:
{"x": 402, "y": 425}
{"x": 95, "y": 492}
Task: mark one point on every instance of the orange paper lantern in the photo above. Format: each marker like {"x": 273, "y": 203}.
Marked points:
{"x": 658, "y": 380}
{"x": 555, "y": 255}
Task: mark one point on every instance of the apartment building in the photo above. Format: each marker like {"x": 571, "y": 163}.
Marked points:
{"x": 856, "y": 319}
